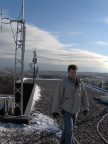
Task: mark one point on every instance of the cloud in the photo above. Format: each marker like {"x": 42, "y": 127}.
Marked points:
{"x": 101, "y": 43}
{"x": 75, "y": 33}
{"x": 51, "y": 53}
{"x": 106, "y": 20}
{"x": 43, "y": 39}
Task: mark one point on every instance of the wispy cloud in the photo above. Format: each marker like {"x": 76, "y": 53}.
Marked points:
{"x": 75, "y": 33}
{"x": 106, "y": 20}
{"x": 101, "y": 43}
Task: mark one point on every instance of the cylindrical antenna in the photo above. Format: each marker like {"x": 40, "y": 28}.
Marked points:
{"x": 1, "y": 19}
{"x": 1, "y": 14}
{"x": 22, "y": 9}
{"x": 1, "y": 26}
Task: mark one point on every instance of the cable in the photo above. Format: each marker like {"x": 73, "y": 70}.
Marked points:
{"x": 98, "y": 128}
{"x": 76, "y": 141}
{"x": 12, "y": 32}
{"x": 99, "y": 123}
{"x": 20, "y": 13}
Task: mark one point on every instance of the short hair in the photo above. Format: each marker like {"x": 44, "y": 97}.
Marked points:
{"x": 73, "y": 66}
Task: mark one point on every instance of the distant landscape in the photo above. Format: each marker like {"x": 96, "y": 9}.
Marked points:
{"x": 7, "y": 78}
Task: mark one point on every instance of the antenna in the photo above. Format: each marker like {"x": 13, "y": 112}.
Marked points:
{"x": 4, "y": 22}
{"x": 1, "y": 19}
{"x": 22, "y": 9}
{"x": 34, "y": 62}
{"x": 1, "y": 14}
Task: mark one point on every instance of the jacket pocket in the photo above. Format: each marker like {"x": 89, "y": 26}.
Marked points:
{"x": 76, "y": 103}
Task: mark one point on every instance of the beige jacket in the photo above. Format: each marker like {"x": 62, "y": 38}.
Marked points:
{"x": 69, "y": 97}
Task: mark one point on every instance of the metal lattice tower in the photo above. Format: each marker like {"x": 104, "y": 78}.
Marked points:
{"x": 19, "y": 57}
{"x": 19, "y": 61}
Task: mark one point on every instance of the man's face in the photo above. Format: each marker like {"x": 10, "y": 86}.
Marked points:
{"x": 72, "y": 74}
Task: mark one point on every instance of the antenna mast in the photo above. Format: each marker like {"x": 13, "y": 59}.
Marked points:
{"x": 19, "y": 62}
{"x": 34, "y": 62}
{"x": 22, "y": 9}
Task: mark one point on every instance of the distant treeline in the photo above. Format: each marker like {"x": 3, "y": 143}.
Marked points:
{"x": 6, "y": 84}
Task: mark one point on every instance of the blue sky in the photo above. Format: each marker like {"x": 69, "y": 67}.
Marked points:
{"x": 63, "y": 32}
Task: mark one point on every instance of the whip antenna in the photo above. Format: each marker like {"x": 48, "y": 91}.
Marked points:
{"x": 22, "y": 9}
{"x": 1, "y": 19}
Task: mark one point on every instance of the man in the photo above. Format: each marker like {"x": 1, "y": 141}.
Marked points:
{"x": 69, "y": 96}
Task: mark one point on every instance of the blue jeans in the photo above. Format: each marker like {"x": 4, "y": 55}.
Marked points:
{"x": 69, "y": 123}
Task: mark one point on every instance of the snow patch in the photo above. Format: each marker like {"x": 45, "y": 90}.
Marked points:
{"x": 42, "y": 123}
{"x": 36, "y": 95}
{"x": 9, "y": 127}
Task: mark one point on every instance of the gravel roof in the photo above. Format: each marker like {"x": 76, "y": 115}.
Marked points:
{"x": 86, "y": 127}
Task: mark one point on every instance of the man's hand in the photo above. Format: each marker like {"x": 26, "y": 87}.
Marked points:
{"x": 85, "y": 112}
{"x": 55, "y": 115}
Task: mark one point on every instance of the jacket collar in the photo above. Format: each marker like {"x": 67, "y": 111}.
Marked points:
{"x": 77, "y": 83}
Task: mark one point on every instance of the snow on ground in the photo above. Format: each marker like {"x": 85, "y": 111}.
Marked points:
{"x": 39, "y": 122}
{"x": 36, "y": 96}
{"x": 9, "y": 127}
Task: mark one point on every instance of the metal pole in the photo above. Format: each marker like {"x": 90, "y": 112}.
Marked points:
{"x": 15, "y": 61}
{"x": 22, "y": 9}
{"x": 22, "y": 67}
{"x": 34, "y": 74}
{"x": 22, "y": 64}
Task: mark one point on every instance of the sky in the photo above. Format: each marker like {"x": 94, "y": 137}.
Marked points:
{"x": 63, "y": 32}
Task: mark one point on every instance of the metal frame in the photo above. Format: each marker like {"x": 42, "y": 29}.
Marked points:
{"x": 19, "y": 55}
{"x": 19, "y": 61}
